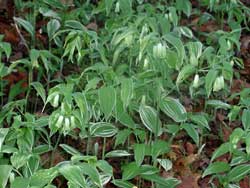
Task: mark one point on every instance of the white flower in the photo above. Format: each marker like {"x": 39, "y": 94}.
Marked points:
{"x": 72, "y": 121}
{"x": 145, "y": 65}
{"x": 219, "y": 83}
{"x": 55, "y": 101}
{"x": 67, "y": 124}
{"x": 59, "y": 121}
{"x": 117, "y": 7}
{"x": 196, "y": 81}
{"x": 159, "y": 51}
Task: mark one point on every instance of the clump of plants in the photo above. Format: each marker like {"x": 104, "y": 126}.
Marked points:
{"x": 116, "y": 87}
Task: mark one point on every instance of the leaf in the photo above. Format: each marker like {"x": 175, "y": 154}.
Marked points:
{"x": 209, "y": 80}
{"x": 105, "y": 167}
{"x": 150, "y": 119}
{"x": 53, "y": 26}
{"x": 177, "y": 43}
{"x": 107, "y": 100}
{"x": 26, "y": 25}
{"x": 238, "y": 173}
{"x": 246, "y": 119}
{"x": 126, "y": 91}
{"x": 20, "y": 182}
{"x": 73, "y": 174}
{"x": 40, "y": 90}
{"x": 218, "y": 104}
{"x": 139, "y": 153}
{"x": 192, "y": 132}
{"x": 185, "y": 72}
{"x": 200, "y": 120}
{"x": 108, "y": 5}
{"x": 215, "y": 168}
{"x": 122, "y": 116}
{"x": 130, "y": 170}
{"x": 173, "y": 108}
{"x": 4, "y": 174}
{"x": 92, "y": 172}
{"x": 122, "y": 136}
{"x": 117, "y": 153}
{"x": 72, "y": 151}
{"x": 81, "y": 102}
{"x": 166, "y": 182}
{"x": 6, "y": 47}
{"x": 224, "y": 148}
{"x": 122, "y": 184}
{"x": 19, "y": 159}
{"x": 165, "y": 163}
{"x": 102, "y": 129}
{"x": 3, "y": 133}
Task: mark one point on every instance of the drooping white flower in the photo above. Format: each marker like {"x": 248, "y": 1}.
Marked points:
{"x": 196, "y": 81}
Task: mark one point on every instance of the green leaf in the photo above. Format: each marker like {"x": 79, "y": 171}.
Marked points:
{"x": 122, "y": 184}
{"x": 130, "y": 170}
{"x": 165, "y": 163}
{"x": 209, "y": 80}
{"x": 200, "y": 120}
{"x": 6, "y": 47}
{"x": 53, "y": 26}
{"x": 246, "y": 119}
{"x": 238, "y": 173}
{"x": 192, "y": 132}
{"x": 40, "y": 90}
{"x": 122, "y": 136}
{"x": 4, "y": 175}
{"x": 139, "y": 153}
{"x": 72, "y": 151}
{"x": 185, "y": 72}
{"x": 224, "y": 148}
{"x": 117, "y": 153}
{"x": 150, "y": 119}
{"x": 108, "y": 5}
{"x": 92, "y": 172}
{"x": 126, "y": 91}
{"x": 19, "y": 159}
{"x": 102, "y": 129}
{"x": 177, "y": 43}
{"x": 107, "y": 100}
{"x": 166, "y": 182}
{"x": 26, "y": 25}
{"x": 173, "y": 108}
{"x": 122, "y": 116}
{"x": 20, "y": 183}
{"x": 73, "y": 174}
{"x": 215, "y": 168}
{"x": 81, "y": 102}
{"x": 218, "y": 104}
{"x": 3, "y": 133}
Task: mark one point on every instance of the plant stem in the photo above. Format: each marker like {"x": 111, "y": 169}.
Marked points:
{"x": 103, "y": 148}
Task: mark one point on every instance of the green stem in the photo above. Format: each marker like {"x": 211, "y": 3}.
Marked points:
{"x": 103, "y": 148}
{"x": 54, "y": 150}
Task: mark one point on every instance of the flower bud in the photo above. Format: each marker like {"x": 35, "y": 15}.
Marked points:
{"x": 55, "y": 101}
{"x": 145, "y": 65}
{"x": 159, "y": 51}
{"x": 196, "y": 81}
{"x": 59, "y": 121}
{"x": 219, "y": 83}
{"x": 232, "y": 63}
{"x": 72, "y": 121}
{"x": 128, "y": 40}
{"x": 66, "y": 124}
{"x": 117, "y": 7}
{"x": 229, "y": 45}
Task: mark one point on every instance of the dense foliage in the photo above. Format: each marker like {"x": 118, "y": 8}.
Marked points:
{"x": 115, "y": 86}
